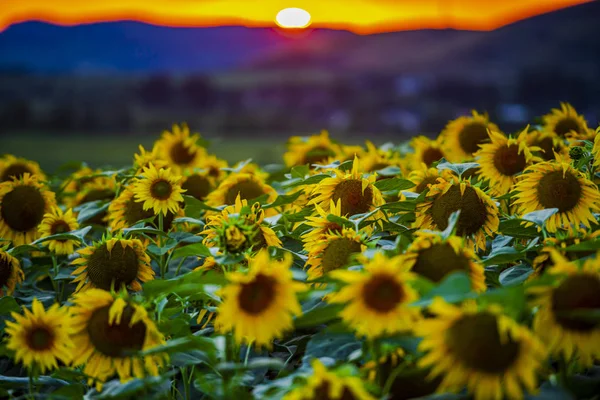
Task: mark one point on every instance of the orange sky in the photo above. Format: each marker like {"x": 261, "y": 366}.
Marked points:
{"x": 361, "y": 16}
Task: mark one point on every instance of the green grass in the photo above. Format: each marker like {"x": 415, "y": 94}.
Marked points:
{"x": 52, "y": 151}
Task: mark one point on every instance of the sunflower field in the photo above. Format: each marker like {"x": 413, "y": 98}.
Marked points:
{"x": 456, "y": 268}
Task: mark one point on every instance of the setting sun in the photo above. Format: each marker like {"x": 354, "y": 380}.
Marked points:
{"x": 293, "y": 18}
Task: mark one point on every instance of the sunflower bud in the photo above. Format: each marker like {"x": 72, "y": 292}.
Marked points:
{"x": 576, "y": 153}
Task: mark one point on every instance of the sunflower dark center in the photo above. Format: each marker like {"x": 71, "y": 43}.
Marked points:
{"x": 247, "y": 190}
{"x": 548, "y": 148}
{"x": 337, "y": 253}
{"x": 256, "y": 296}
{"x": 317, "y": 155}
{"x": 354, "y": 200}
{"x": 379, "y": 166}
{"x": 475, "y": 341}
{"x": 473, "y": 213}
{"x": 120, "y": 266}
{"x": 6, "y": 269}
{"x": 412, "y": 384}
{"x": 508, "y": 161}
{"x": 322, "y": 392}
{"x": 40, "y": 338}
{"x": 197, "y": 186}
{"x": 60, "y": 227}
{"x": 181, "y": 154}
{"x": 471, "y": 172}
{"x": 332, "y": 227}
{"x": 15, "y": 170}
{"x": 23, "y": 208}
{"x": 98, "y": 194}
{"x": 472, "y": 135}
{"x": 134, "y": 212}
{"x": 161, "y": 189}
{"x": 118, "y": 340}
{"x": 431, "y": 155}
{"x": 382, "y": 293}
{"x": 429, "y": 180}
{"x": 556, "y": 190}
{"x": 566, "y": 125}
{"x": 439, "y": 260}
{"x": 577, "y": 292}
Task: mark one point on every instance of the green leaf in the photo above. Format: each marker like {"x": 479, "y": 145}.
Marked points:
{"x": 540, "y": 217}
{"x": 389, "y": 171}
{"x": 341, "y": 221}
{"x": 399, "y": 206}
{"x": 283, "y": 199}
{"x": 585, "y": 246}
{"x": 319, "y": 315}
{"x": 164, "y": 249}
{"x": 255, "y": 363}
{"x": 193, "y": 281}
{"x": 501, "y": 256}
{"x": 68, "y": 392}
{"x": 397, "y": 184}
{"x": 8, "y": 304}
{"x": 145, "y": 230}
{"x": 196, "y": 249}
{"x": 74, "y": 235}
{"x": 515, "y": 275}
{"x": 90, "y": 209}
{"x": 26, "y": 248}
{"x": 516, "y": 229}
{"x": 299, "y": 171}
{"x": 333, "y": 345}
{"x": 452, "y": 222}
{"x": 194, "y": 208}
{"x": 184, "y": 344}
{"x": 459, "y": 169}
{"x": 454, "y": 288}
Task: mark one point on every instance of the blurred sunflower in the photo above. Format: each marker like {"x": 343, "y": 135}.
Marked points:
{"x": 375, "y": 159}
{"x": 426, "y": 151}
{"x": 560, "y": 242}
{"x": 125, "y": 211}
{"x": 159, "y": 190}
{"x": 478, "y": 213}
{"x": 98, "y": 188}
{"x": 423, "y": 177}
{"x": 113, "y": 261}
{"x": 596, "y": 148}
{"x": 75, "y": 182}
{"x": 310, "y": 150}
{"x": 434, "y": 257}
{"x": 41, "y": 338}
{"x": 357, "y": 194}
{"x": 548, "y": 144}
{"x": 566, "y": 122}
{"x": 347, "y": 153}
{"x": 574, "y": 290}
{"x": 247, "y": 186}
{"x": 209, "y": 264}
{"x": 258, "y": 305}
{"x": 482, "y": 349}
{"x": 324, "y": 384}
{"x": 198, "y": 183}
{"x": 377, "y": 299}
{"x": 23, "y": 204}
{"x": 558, "y": 185}
{"x": 334, "y": 250}
{"x": 321, "y": 226}
{"x": 461, "y": 137}
{"x": 145, "y": 158}
{"x": 239, "y": 228}
{"x": 502, "y": 160}
{"x": 56, "y": 222}
{"x": 180, "y": 148}
{"x": 10, "y": 273}
{"x": 14, "y": 167}
{"x": 108, "y": 332}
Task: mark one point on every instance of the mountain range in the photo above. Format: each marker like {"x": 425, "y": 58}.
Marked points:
{"x": 567, "y": 39}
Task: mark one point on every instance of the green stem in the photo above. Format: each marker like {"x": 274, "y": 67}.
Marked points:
{"x": 56, "y": 284}
{"x": 247, "y": 353}
{"x": 163, "y": 269}
{"x": 186, "y": 383}
{"x": 179, "y": 266}
{"x": 563, "y": 373}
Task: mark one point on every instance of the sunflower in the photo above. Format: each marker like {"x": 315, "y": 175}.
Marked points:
{"x": 434, "y": 257}
{"x": 108, "y": 331}
{"x": 461, "y": 138}
{"x": 377, "y": 300}
{"x": 180, "y": 148}
{"x": 562, "y": 240}
{"x": 74, "y": 183}
{"x": 113, "y": 261}
{"x": 56, "y": 222}
{"x": 426, "y": 151}
{"x": 145, "y": 158}
{"x": 334, "y": 250}
{"x": 10, "y": 273}
{"x": 548, "y": 144}
{"x": 198, "y": 184}
{"x": 478, "y": 213}
{"x": 13, "y": 167}
{"x": 23, "y": 203}
{"x": 321, "y": 226}
{"x": 98, "y": 188}
{"x": 125, "y": 211}
{"x": 159, "y": 190}
{"x": 575, "y": 289}
{"x": 324, "y": 384}
{"x": 41, "y": 338}
{"x": 239, "y": 228}
{"x": 358, "y": 195}
{"x": 502, "y": 160}
{"x": 209, "y": 264}
{"x": 558, "y": 185}
{"x": 258, "y": 305}
{"x": 310, "y": 150}
{"x": 248, "y": 186}
{"x": 482, "y": 349}
{"x": 423, "y": 177}
{"x": 375, "y": 159}
{"x": 596, "y": 148}
{"x": 565, "y": 122}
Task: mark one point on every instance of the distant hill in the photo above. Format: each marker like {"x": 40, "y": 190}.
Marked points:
{"x": 567, "y": 38}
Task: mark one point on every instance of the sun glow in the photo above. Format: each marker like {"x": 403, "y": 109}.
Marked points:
{"x": 293, "y": 18}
